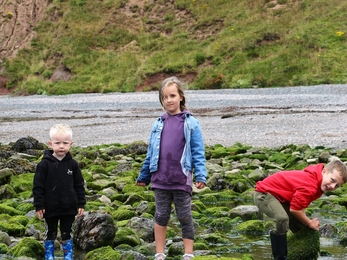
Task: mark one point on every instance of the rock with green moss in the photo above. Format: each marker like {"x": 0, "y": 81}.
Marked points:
{"x": 3, "y": 248}
{"x": 5, "y": 238}
{"x": 303, "y": 245}
{"x": 176, "y": 249}
{"x": 7, "y": 191}
{"x": 221, "y": 223}
{"x": 143, "y": 227}
{"x": 22, "y": 182}
{"x": 101, "y": 184}
{"x": 251, "y": 227}
{"x": 27, "y": 247}
{"x": 25, "y": 207}
{"x": 104, "y": 253}
{"x": 5, "y": 175}
{"x": 126, "y": 235}
{"x": 123, "y": 214}
{"x": 4, "y": 209}
{"x": 11, "y": 226}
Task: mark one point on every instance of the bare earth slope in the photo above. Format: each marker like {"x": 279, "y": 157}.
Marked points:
{"x": 274, "y": 117}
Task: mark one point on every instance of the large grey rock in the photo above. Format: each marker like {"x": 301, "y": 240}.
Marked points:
{"x": 94, "y": 230}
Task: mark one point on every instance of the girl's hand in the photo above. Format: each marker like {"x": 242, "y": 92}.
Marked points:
{"x": 200, "y": 185}
{"x": 140, "y": 184}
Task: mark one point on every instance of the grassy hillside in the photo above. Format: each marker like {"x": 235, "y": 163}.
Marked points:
{"x": 131, "y": 45}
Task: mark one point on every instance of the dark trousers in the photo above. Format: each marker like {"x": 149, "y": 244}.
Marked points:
{"x": 65, "y": 227}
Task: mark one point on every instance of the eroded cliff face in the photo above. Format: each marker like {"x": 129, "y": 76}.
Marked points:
{"x": 17, "y": 20}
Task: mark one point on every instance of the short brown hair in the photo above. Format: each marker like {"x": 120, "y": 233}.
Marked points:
{"x": 339, "y": 166}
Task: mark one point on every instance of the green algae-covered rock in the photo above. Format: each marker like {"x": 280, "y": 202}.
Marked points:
{"x": 104, "y": 253}
{"x": 5, "y": 175}
{"x": 3, "y": 248}
{"x": 222, "y": 223}
{"x": 176, "y": 249}
{"x": 93, "y": 205}
{"x": 127, "y": 236}
{"x": 27, "y": 247}
{"x": 217, "y": 212}
{"x": 101, "y": 184}
{"x": 11, "y": 226}
{"x": 22, "y": 182}
{"x": 251, "y": 227}
{"x": 7, "y": 191}
{"x": 208, "y": 198}
{"x": 23, "y": 220}
{"x": 25, "y": 207}
{"x": 123, "y": 214}
{"x": 198, "y": 206}
{"x": 5, "y": 209}
{"x": 260, "y": 157}
{"x": 304, "y": 245}
{"x": 134, "y": 198}
{"x": 5, "y": 238}
{"x": 342, "y": 235}
{"x": 215, "y": 238}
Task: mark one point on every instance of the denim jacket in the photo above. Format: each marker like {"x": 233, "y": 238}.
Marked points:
{"x": 193, "y": 156}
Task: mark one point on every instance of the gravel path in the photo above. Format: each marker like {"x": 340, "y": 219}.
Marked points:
{"x": 271, "y": 117}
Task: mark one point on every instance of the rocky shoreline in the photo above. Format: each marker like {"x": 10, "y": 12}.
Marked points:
{"x": 223, "y": 211}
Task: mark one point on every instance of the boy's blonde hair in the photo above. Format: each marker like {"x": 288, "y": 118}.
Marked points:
{"x": 60, "y": 129}
{"x": 173, "y": 81}
{"x": 339, "y": 166}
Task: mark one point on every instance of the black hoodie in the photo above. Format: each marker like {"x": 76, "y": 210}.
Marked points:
{"x": 58, "y": 186}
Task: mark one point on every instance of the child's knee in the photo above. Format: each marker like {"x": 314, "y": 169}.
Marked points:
{"x": 162, "y": 220}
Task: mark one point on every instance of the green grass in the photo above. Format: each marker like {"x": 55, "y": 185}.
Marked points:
{"x": 113, "y": 45}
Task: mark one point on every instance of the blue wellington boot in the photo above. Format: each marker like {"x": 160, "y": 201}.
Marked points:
{"x": 67, "y": 248}
{"x": 49, "y": 249}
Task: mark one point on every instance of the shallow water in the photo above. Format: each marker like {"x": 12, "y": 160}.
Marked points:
{"x": 260, "y": 247}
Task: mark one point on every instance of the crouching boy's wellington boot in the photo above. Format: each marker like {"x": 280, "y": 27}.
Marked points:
{"x": 67, "y": 248}
{"x": 49, "y": 249}
{"x": 279, "y": 245}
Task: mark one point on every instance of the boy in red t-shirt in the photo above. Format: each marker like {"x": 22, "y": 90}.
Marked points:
{"x": 285, "y": 195}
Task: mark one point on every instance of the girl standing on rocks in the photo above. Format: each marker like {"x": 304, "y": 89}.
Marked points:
{"x": 175, "y": 151}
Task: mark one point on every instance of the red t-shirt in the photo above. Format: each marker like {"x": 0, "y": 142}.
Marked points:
{"x": 297, "y": 188}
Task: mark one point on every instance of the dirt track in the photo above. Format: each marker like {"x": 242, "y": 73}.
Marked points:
{"x": 260, "y": 117}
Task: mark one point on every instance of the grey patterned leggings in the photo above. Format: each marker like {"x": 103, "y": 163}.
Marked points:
{"x": 182, "y": 202}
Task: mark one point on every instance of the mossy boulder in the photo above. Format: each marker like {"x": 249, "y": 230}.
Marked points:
{"x": 27, "y": 247}
{"x": 222, "y": 223}
{"x": 5, "y": 209}
{"x": 176, "y": 249}
{"x": 127, "y": 236}
{"x": 22, "y": 182}
{"x": 251, "y": 227}
{"x": 7, "y": 191}
{"x": 25, "y": 207}
{"x": 104, "y": 253}
{"x": 123, "y": 214}
{"x": 3, "y": 248}
{"x": 304, "y": 245}
{"x": 11, "y": 226}
{"x": 5, "y": 175}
